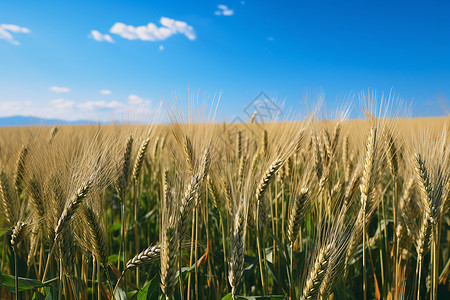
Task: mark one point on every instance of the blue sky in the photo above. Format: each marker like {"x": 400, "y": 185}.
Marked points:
{"x": 101, "y": 60}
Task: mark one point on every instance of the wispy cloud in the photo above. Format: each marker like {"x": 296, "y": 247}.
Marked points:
{"x": 135, "y": 99}
{"x": 100, "y": 37}
{"x": 7, "y": 30}
{"x": 105, "y": 92}
{"x": 136, "y": 109}
{"x": 161, "y": 47}
{"x": 223, "y": 10}
{"x": 151, "y": 32}
{"x": 59, "y": 89}
{"x": 62, "y": 103}
{"x": 100, "y": 104}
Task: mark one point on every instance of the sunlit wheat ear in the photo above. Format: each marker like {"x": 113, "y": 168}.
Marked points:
{"x": 19, "y": 172}
{"x": 146, "y": 256}
{"x": 205, "y": 164}
{"x": 241, "y": 174}
{"x": 317, "y": 273}
{"x": 254, "y": 164}
{"x": 237, "y": 250}
{"x": 189, "y": 153}
{"x": 425, "y": 227}
{"x": 192, "y": 189}
{"x": 265, "y": 144}
{"x": 336, "y": 262}
{"x": 67, "y": 251}
{"x": 352, "y": 188}
{"x": 125, "y": 168}
{"x": 53, "y": 132}
{"x": 346, "y": 158}
{"x": 227, "y": 192}
{"x": 215, "y": 198}
{"x": 405, "y": 220}
{"x": 19, "y": 231}
{"x": 289, "y": 166}
{"x": 252, "y": 119}
{"x": 71, "y": 208}
{"x": 33, "y": 246}
{"x": 297, "y": 213}
{"x": 156, "y": 147}
{"x": 97, "y": 236}
{"x": 327, "y": 142}
{"x": 239, "y": 145}
{"x": 167, "y": 252}
{"x": 392, "y": 155}
{"x": 318, "y": 158}
{"x": 36, "y": 200}
{"x": 7, "y": 198}
{"x": 263, "y": 185}
{"x": 424, "y": 184}
{"x": 267, "y": 177}
{"x": 369, "y": 175}
{"x": 140, "y": 160}
{"x": 335, "y": 140}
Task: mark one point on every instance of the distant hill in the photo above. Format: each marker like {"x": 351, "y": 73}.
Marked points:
{"x": 29, "y": 121}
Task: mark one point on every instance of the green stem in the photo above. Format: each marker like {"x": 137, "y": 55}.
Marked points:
{"x": 364, "y": 256}
{"x": 16, "y": 273}
{"x": 99, "y": 281}
{"x": 60, "y": 275}
{"x": 396, "y": 250}
{"x": 258, "y": 244}
{"x": 180, "y": 274}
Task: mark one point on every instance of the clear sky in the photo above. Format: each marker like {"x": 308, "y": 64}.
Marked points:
{"x": 102, "y": 59}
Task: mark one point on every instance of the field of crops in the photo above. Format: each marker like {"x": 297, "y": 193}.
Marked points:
{"x": 193, "y": 210}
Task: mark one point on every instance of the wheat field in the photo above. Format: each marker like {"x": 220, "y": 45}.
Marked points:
{"x": 312, "y": 209}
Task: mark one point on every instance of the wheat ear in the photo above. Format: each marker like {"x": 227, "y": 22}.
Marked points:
{"x": 317, "y": 273}
{"x": 20, "y": 170}
{"x": 140, "y": 159}
{"x": 144, "y": 257}
{"x": 168, "y": 262}
{"x": 7, "y": 199}
{"x": 125, "y": 168}
{"x": 99, "y": 248}
{"x": 297, "y": 214}
{"x": 236, "y": 262}
{"x": 19, "y": 231}
{"x": 71, "y": 208}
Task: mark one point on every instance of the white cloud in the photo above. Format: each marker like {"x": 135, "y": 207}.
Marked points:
{"x": 91, "y": 105}
{"x": 152, "y": 32}
{"x": 100, "y": 37}
{"x": 97, "y": 111}
{"x": 134, "y": 99}
{"x": 105, "y": 92}
{"x": 59, "y": 89}
{"x": 161, "y": 47}
{"x": 62, "y": 103}
{"x": 6, "y": 31}
{"x": 223, "y": 10}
